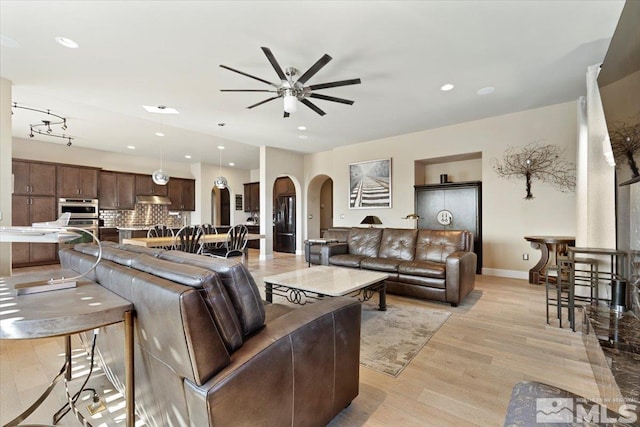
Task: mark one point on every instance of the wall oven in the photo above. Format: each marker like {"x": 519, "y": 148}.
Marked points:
{"x": 84, "y": 213}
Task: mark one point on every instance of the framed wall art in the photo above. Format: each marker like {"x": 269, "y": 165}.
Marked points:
{"x": 370, "y": 184}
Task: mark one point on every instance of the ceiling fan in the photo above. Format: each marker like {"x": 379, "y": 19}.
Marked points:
{"x": 292, "y": 88}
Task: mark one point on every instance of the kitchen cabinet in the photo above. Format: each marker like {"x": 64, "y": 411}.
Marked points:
{"x": 452, "y": 206}
{"x": 34, "y": 178}
{"x": 77, "y": 182}
{"x": 252, "y": 197}
{"x": 116, "y": 190}
{"x": 109, "y": 234}
{"x": 146, "y": 187}
{"x": 253, "y": 229}
{"x": 182, "y": 193}
{"x": 25, "y": 210}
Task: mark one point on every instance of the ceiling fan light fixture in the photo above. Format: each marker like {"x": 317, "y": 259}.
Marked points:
{"x": 290, "y": 102}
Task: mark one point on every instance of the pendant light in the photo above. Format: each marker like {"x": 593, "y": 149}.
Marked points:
{"x": 159, "y": 176}
{"x": 221, "y": 181}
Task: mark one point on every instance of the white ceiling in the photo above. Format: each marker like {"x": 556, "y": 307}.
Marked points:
{"x": 535, "y": 53}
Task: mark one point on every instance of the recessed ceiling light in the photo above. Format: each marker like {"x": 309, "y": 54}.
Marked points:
{"x": 131, "y": 147}
{"x": 302, "y": 128}
{"x": 159, "y": 134}
{"x": 446, "y": 87}
{"x": 231, "y": 164}
{"x": 303, "y": 136}
{"x": 220, "y": 147}
{"x": 67, "y": 42}
{"x": 486, "y": 90}
{"x": 160, "y": 109}
{"x": 8, "y": 42}
{"x": 186, "y": 156}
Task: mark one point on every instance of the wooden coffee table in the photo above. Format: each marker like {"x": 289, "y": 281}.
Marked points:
{"x": 302, "y": 286}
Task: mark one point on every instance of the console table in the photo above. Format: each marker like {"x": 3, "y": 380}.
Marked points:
{"x": 62, "y": 313}
{"x": 556, "y": 245}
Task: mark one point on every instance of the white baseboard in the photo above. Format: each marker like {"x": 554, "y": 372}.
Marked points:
{"x": 513, "y": 274}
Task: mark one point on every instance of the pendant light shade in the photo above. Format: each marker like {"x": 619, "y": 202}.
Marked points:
{"x": 160, "y": 177}
{"x": 221, "y": 181}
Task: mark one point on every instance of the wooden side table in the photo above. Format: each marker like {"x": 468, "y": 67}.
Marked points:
{"x": 547, "y": 245}
{"x": 62, "y": 313}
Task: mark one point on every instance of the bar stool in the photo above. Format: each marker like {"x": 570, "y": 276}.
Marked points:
{"x": 584, "y": 273}
{"x": 563, "y": 292}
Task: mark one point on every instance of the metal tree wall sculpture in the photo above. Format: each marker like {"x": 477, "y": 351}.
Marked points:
{"x": 625, "y": 143}
{"x": 543, "y": 162}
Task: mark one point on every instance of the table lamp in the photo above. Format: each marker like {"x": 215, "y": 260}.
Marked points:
{"x": 371, "y": 220}
{"x": 414, "y": 218}
{"x": 48, "y": 232}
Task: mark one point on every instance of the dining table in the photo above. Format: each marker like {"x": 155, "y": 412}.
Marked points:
{"x": 158, "y": 242}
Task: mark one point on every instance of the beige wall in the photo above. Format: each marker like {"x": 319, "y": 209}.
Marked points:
{"x": 274, "y": 163}
{"x": 205, "y": 177}
{"x": 507, "y": 217}
{"x": 5, "y": 172}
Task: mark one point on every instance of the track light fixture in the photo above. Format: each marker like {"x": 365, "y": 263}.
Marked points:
{"x": 44, "y": 128}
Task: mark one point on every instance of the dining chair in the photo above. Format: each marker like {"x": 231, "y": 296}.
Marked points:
{"x": 161, "y": 230}
{"x": 235, "y": 245}
{"x": 209, "y": 247}
{"x": 187, "y": 239}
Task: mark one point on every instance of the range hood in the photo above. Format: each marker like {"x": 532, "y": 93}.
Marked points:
{"x": 152, "y": 200}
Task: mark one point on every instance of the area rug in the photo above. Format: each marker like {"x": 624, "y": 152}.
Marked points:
{"x": 391, "y": 339}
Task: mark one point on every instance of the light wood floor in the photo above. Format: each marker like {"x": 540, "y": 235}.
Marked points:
{"x": 463, "y": 376}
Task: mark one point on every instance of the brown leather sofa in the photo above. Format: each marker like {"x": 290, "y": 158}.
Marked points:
{"x": 210, "y": 352}
{"x": 432, "y": 264}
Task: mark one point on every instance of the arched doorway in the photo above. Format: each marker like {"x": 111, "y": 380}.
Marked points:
{"x": 220, "y": 206}
{"x": 319, "y": 206}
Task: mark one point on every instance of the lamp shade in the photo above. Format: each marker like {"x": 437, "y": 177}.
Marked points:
{"x": 371, "y": 220}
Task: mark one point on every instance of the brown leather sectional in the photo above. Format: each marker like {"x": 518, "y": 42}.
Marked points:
{"x": 209, "y": 351}
{"x": 433, "y": 264}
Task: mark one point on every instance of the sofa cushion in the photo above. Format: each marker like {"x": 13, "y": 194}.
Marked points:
{"x": 346, "y": 260}
{"x": 339, "y": 234}
{"x": 223, "y": 313}
{"x": 398, "y": 243}
{"x": 364, "y": 241}
{"x": 437, "y": 245}
{"x": 380, "y": 264}
{"x": 238, "y": 282}
{"x": 422, "y": 268}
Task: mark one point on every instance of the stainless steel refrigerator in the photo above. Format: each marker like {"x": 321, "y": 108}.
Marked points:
{"x": 285, "y": 224}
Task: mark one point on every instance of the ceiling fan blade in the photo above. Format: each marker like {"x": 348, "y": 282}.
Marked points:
{"x": 274, "y": 63}
{"x": 286, "y": 115}
{"x": 335, "y": 84}
{"x": 248, "y": 75}
{"x": 248, "y": 90}
{"x": 312, "y": 106}
{"x": 331, "y": 98}
{"x": 315, "y": 68}
{"x": 262, "y": 102}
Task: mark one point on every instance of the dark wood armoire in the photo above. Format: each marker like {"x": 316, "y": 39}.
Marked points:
{"x": 463, "y": 203}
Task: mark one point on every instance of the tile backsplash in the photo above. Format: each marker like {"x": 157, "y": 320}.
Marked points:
{"x": 143, "y": 215}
